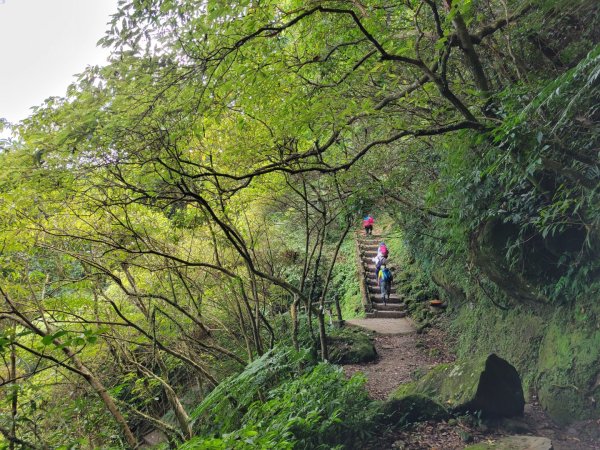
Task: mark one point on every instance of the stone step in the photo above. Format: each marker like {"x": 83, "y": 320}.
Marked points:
{"x": 389, "y": 307}
{"x": 370, "y": 268}
{"x": 374, "y": 238}
{"x": 371, "y": 265}
{"x": 365, "y": 246}
{"x": 386, "y": 314}
{"x": 371, "y": 277}
{"x": 372, "y": 283}
{"x": 394, "y": 298}
{"x": 371, "y": 246}
{"x": 374, "y": 290}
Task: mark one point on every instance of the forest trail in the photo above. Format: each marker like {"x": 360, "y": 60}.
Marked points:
{"x": 403, "y": 357}
{"x": 400, "y": 356}
{"x": 375, "y": 308}
{"x": 385, "y": 326}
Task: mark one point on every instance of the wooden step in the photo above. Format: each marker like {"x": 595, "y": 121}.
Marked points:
{"x": 386, "y": 314}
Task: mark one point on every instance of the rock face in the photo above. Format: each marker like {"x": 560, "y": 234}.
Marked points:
{"x": 489, "y": 384}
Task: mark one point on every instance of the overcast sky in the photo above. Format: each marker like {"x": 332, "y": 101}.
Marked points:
{"x": 44, "y": 43}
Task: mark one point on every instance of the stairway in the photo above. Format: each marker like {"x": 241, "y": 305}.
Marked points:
{"x": 395, "y": 308}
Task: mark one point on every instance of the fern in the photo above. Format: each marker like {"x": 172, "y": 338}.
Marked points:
{"x": 223, "y": 408}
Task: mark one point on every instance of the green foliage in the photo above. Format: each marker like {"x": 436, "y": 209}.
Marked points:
{"x": 518, "y": 230}
{"x": 244, "y": 439}
{"x": 345, "y": 281}
{"x": 321, "y": 409}
{"x": 282, "y": 401}
{"x": 186, "y": 192}
{"x": 222, "y": 410}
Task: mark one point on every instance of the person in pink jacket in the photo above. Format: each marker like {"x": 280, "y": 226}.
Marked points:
{"x": 368, "y": 224}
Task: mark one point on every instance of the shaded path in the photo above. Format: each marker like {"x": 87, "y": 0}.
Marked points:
{"x": 404, "y": 355}
{"x": 400, "y": 355}
{"x": 385, "y": 326}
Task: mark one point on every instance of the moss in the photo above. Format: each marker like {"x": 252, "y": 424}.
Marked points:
{"x": 351, "y": 346}
{"x": 404, "y": 389}
{"x": 488, "y": 384}
{"x": 420, "y": 387}
{"x": 556, "y": 351}
{"x": 515, "y": 334}
{"x": 410, "y": 409}
{"x": 568, "y": 368}
{"x": 450, "y": 384}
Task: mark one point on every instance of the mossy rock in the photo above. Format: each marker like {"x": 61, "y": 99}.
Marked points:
{"x": 410, "y": 409}
{"x": 487, "y": 384}
{"x": 570, "y": 378}
{"x": 350, "y": 346}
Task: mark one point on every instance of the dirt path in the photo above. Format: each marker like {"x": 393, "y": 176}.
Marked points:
{"x": 403, "y": 356}
{"x": 385, "y": 326}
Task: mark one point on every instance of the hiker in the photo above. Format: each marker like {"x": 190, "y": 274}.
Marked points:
{"x": 383, "y": 249}
{"x": 368, "y": 224}
{"x": 384, "y": 280}
{"x": 379, "y": 260}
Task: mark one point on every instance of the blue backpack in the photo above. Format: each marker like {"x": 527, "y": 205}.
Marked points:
{"x": 386, "y": 275}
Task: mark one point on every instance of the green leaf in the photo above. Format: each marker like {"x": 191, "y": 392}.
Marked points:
{"x": 49, "y": 338}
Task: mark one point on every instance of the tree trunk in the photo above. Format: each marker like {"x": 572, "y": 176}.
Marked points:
{"x": 323, "y": 335}
{"x": 330, "y": 273}
{"x": 79, "y": 369}
{"x": 294, "y": 316}
{"x": 256, "y": 317}
{"x": 466, "y": 44}
{"x": 182, "y": 417}
{"x": 15, "y": 397}
{"x": 104, "y": 396}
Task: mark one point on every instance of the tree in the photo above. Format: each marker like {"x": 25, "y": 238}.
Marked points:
{"x": 158, "y": 176}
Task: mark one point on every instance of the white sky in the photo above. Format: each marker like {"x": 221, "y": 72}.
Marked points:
{"x": 43, "y": 44}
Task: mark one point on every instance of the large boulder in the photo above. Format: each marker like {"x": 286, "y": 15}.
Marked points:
{"x": 486, "y": 384}
{"x": 351, "y": 346}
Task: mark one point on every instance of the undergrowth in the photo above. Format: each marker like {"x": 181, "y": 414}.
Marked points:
{"x": 285, "y": 400}
{"x": 345, "y": 281}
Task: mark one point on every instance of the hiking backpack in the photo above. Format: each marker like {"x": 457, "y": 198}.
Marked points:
{"x": 386, "y": 275}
